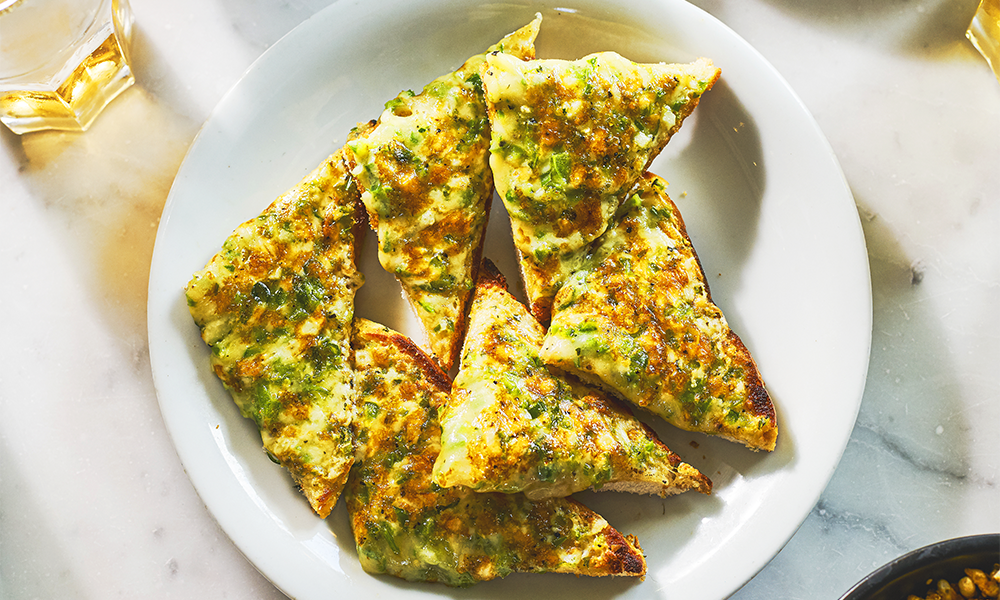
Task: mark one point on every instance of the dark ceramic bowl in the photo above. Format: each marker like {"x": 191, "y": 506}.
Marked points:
{"x": 909, "y": 573}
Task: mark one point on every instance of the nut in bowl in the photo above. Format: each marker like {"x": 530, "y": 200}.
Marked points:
{"x": 958, "y": 562}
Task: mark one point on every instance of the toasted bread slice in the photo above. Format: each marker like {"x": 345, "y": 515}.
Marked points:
{"x": 275, "y": 306}
{"x": 641, "y": 321}
{"x": 569, "y": 139}
{"x": 512, "y": 425}
{"x": 424, "y": 171}
{"x": 406, "y": 526}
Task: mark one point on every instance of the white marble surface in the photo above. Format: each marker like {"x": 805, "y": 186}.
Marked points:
{"x": 94, "y": 502}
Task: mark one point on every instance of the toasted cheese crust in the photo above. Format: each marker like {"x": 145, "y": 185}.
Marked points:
{"x": 427, "y": 186}
{"x": 275, "y": 306}
{"x": 512, "y": 425}
{"x": 641, "y": 321}
{"x": 569, "y": 139}
{"x": 404, "y": 525}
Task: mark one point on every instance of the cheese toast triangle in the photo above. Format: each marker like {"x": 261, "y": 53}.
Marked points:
{"x": 512, "y": 425}
{"x": 406, "y": 526}
{"x": 427, "y": 186}
{"x": 641, "y": 322}
{"x": 275, "y": 306}
{"x": 569, "y": 139}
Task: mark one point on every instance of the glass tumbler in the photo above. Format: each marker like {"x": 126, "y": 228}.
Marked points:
{"x": 61, "y": 61}
{"x": 984, "y": 32}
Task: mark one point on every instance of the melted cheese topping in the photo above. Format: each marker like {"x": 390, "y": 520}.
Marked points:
{"x": 427, "y": 185}
{"x": 407, "y": 526}
{"x": 511, "y": 425}
{"x": 569, "y": 139}
{"x": 641, "y": 321}
{"x": 275, "y": 306}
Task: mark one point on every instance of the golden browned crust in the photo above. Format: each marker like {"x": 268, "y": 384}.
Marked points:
{"x": 490, "y": 276}
{"x": 758, "y": 401}
{"x": 428, "y": 368}
{"x": 623, "y": 557}
{"x": 627, "y": 559}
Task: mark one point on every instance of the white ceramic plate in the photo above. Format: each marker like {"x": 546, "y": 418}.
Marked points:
{"x": 765, "y": 203}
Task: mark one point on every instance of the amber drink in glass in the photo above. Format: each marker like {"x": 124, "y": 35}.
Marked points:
{"x": 61, "y": 61}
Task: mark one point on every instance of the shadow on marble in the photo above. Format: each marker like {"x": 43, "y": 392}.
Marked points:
{"x": 264, "y": 22}
{"x": 155, "y": 75}
{"x": 908, "y": 455}
{"x": 905, "y": 479}
{"x": 34, "y": 564}
{"x": 103, "y": 192}
{"x": 925, "y": 27}
{"x": 907, "y": 363}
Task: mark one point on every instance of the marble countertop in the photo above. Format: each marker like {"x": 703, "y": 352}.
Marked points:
{"x": 94, "y": 502}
